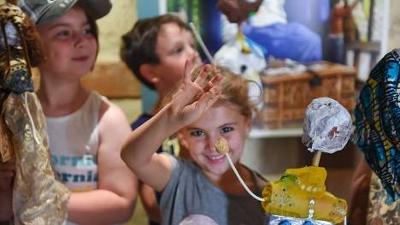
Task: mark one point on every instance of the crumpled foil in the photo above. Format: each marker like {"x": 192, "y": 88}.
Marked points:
{"x": 327, "y": 126}
{"x": 38, "y": 199}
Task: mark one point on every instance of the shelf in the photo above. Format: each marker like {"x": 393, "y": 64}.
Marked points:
{"x": 276, "y": 133}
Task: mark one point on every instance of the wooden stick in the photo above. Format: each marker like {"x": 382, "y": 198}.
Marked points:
{"x": 316, "y": 158}
{"x": 201, "y": 43}
{"x": 222, "y": 147}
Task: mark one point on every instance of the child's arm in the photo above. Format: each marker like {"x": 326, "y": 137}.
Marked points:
{"x": 186, "y": 106}
{"x": 114, "y": 199}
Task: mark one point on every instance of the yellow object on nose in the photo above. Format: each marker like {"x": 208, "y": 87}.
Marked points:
{"x": 222, "y": 145}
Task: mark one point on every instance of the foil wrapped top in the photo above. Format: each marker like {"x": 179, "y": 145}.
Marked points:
{"x": 327, "y": 126}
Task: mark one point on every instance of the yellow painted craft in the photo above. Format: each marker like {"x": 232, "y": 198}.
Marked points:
{"x": 292, "y": 193}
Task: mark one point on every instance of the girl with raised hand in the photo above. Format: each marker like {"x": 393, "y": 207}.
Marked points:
{"x": 201, "y": 112}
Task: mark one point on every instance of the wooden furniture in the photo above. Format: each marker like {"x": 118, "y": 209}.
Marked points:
{"x": 113, "y": 80}
{"x": 286, "y": 96}
{"x": 362, "y": 56}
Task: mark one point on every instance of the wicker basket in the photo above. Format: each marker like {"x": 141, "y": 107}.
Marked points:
{"x": 287, "y": 96}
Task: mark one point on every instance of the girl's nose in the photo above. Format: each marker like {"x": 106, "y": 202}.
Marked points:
{"x": 211, "y": 143}
{"x": 81, "y": 39}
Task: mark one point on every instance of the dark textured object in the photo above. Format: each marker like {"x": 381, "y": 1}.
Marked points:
{"x": 377, "y": 120}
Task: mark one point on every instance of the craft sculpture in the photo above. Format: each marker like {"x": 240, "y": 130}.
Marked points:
{"x": 38, "y": 199}
{"x": 299, "y": 197}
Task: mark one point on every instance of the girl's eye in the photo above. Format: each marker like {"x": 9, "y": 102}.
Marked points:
{"x": 87, "y": 30}
{"x": 226, "y": 129}
{"x": 63, "y": 34}
{"x": 197, "y": 133}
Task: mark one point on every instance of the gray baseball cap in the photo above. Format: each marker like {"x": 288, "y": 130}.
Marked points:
{"x": 41, "y": 11}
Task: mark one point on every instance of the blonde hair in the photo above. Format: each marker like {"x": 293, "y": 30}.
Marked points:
{"x": 235, "y": 90}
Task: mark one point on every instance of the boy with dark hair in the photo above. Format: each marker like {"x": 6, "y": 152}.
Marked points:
{"x": 156, "y": 50}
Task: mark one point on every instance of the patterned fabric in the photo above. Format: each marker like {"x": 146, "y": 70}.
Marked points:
{"x": 14, "y": 67}
{"x": 377, "y": 120}
{"x": 38, "y": 199}
{"x": 378, "y": 211}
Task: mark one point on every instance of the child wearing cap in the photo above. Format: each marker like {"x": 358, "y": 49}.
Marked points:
{"x": 86, "y": 131}
{"x": 156, "y": 50}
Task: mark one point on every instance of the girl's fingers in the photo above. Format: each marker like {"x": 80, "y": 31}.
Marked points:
{"x": 215, "y": 81}
{"x": 203, "y": 91}
{"x": 187, "y": 75}
{"x": 209, "y": 98}
{"x": 202, "y": 77}
{"x": 208, "y": 77}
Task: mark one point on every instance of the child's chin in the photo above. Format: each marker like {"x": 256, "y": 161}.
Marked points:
{"x": 219, "y": 169}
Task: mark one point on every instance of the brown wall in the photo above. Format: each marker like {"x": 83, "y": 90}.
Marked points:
{"x": 111, "y": 77}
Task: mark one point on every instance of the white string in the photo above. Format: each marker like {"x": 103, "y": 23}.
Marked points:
{"x": 201, "y": 43}
{"x": 30, "y": 119}
{"x": 241, "y": 180}
{"x": 345, "y": 220}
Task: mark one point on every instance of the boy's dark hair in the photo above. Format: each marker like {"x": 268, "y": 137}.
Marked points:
{"x": 139, "y": 44}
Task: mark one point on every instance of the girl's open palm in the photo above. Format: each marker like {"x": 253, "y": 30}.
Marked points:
{"x": 195, "y": 97}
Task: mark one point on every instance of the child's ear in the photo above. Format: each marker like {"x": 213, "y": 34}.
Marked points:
{"x": 148, "y": 73}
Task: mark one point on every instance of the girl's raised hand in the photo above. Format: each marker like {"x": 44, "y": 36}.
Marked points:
{"x": 195, "y": 97}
